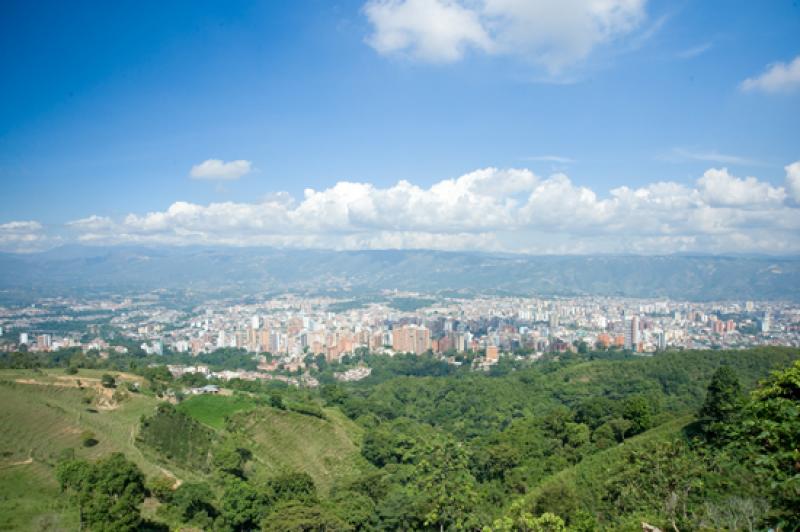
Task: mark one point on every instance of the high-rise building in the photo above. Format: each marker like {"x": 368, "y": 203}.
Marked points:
{"x": 492, "y": 353}
{"x": 632, "y": 337}
{"x": 661, "y": 340}
{"x": 411, "y": 339}
{"x": 23, "y": 338}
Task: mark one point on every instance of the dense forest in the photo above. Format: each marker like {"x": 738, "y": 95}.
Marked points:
{"x": 690, "y": 440}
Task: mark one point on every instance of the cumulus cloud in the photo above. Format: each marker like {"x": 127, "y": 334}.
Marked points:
{"x": 778, "y": 77}
{"x": 793, "y": 180}
{"x": 553, "y": 34}
{"x": 489, "y": 209}
{"x": 719, "y": 188}
{"x": 217, "y": 169}
{"x": 431, "y": 30}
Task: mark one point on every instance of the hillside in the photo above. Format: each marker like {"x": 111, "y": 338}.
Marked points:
{"x": 45, "y": 415}
{"x": 601, "y": 443}
{"x": 327, "y": 449}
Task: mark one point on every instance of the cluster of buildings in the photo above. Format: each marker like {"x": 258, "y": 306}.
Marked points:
{"x": 286, "y": 329}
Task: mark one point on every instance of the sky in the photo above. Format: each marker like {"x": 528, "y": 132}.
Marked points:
{"x": 526, "y": 126}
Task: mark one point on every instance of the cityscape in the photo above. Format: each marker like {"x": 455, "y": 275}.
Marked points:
{"x": 280, "y": 332}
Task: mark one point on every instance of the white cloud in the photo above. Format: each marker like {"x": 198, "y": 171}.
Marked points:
{"x": 793, "y": 180}
{"x": 22, "y": 236}
{"x": 488, "y": 209}
{"x": 719, "y": 188}
{"x": 431, "y": 30}
{"x": 217, "y": 169}
{"x": 779, "y": 77}
{"x": 552, "y": 34}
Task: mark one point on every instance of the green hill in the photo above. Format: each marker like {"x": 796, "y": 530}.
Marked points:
{"x": 327, "y": 449}
{"x": 45, "y": 415}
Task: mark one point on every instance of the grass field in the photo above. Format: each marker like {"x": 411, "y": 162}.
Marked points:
{"x": 212, "y": 410}
{"x": 30, "y": 499}
{"x": 327, "y": 449}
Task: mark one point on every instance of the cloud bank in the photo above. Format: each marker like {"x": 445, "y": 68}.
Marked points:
{"x": 489, "y": 209}
{"x": 551, "y": 34}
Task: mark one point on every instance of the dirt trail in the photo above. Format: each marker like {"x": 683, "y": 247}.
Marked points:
{"x": 13, "y": 464}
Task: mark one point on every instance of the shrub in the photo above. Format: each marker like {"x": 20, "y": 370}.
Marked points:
{"x": 88, "y": 438}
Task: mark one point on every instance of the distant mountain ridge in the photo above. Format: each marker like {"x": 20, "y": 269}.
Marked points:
{"x": 76, "y": 268}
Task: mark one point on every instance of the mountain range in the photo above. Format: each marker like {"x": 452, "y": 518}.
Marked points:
{"x": 70, "y": 269}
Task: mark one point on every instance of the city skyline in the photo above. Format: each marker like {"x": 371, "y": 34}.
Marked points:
{"x": 625, "y": 127}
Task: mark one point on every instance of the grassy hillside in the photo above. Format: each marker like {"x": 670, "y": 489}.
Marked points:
{"x": 43, "y": 415}
{"x": 212, "y": 410}
{"x": 326, "y": 449}
{"x": 46, "y": 413}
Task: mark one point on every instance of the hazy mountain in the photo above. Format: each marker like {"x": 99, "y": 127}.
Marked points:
{"x": 72, "y": 268}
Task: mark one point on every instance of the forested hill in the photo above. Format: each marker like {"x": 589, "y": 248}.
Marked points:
{"x": 691, "y": 440}
{"x": 248, "y": 269}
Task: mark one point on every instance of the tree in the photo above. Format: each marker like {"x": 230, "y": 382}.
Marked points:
{"x": 231, "y": 459}
{"x": 446, "y": 485}
{"x": 193, "y": 501}
{"x": 766, "y": 435}
{"x": 519, "y": 520}
{"x": 638, "y": 411}
{"x": 620, "y": 428}
{"x": 724, "y": 396}
{"x": 276, "y": 401}
{"x": 293, "y": 486}
{"x": 302, "y": 517}
{"x": 108, "y": 381}
{"x": 108, "y": 493}
{"x": 243, "y": 506}
{"x": 88, "y": 438}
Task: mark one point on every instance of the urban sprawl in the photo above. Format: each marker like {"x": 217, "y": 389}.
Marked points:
{"x": 282, "y": 331}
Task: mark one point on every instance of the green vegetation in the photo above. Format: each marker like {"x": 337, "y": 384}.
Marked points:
{"x": 410, "y": 304}
{"x": 177, "y": 437}
{"x": 326, "y": 449}
{"x": 578, "y": 442}
{"x": 213, "y": 410}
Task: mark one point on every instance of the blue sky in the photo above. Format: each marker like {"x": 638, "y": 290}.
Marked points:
{"x": 105, "y": 108}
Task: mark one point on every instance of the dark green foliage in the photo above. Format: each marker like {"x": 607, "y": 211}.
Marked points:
{"x": 355, "y": 509}
{"x": 177, "y": 437}
{"x": 446, "y": 486}
{"x": 193, "y": 502}
{"x": 293, "y": 486}
{"x": 108, "y": 381}
{"x": 108, "y": 493}
{"x": 243, "y": 505}
{"x": 276, "y": 401}
{"x": 766, "y": 436}
{"x": 724, "y": 396}
{"x": 230, "y": 459}
{"x": 303, "y": 517}
{"x": 88, "y": 438}
{"x": 639, "y": 411}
